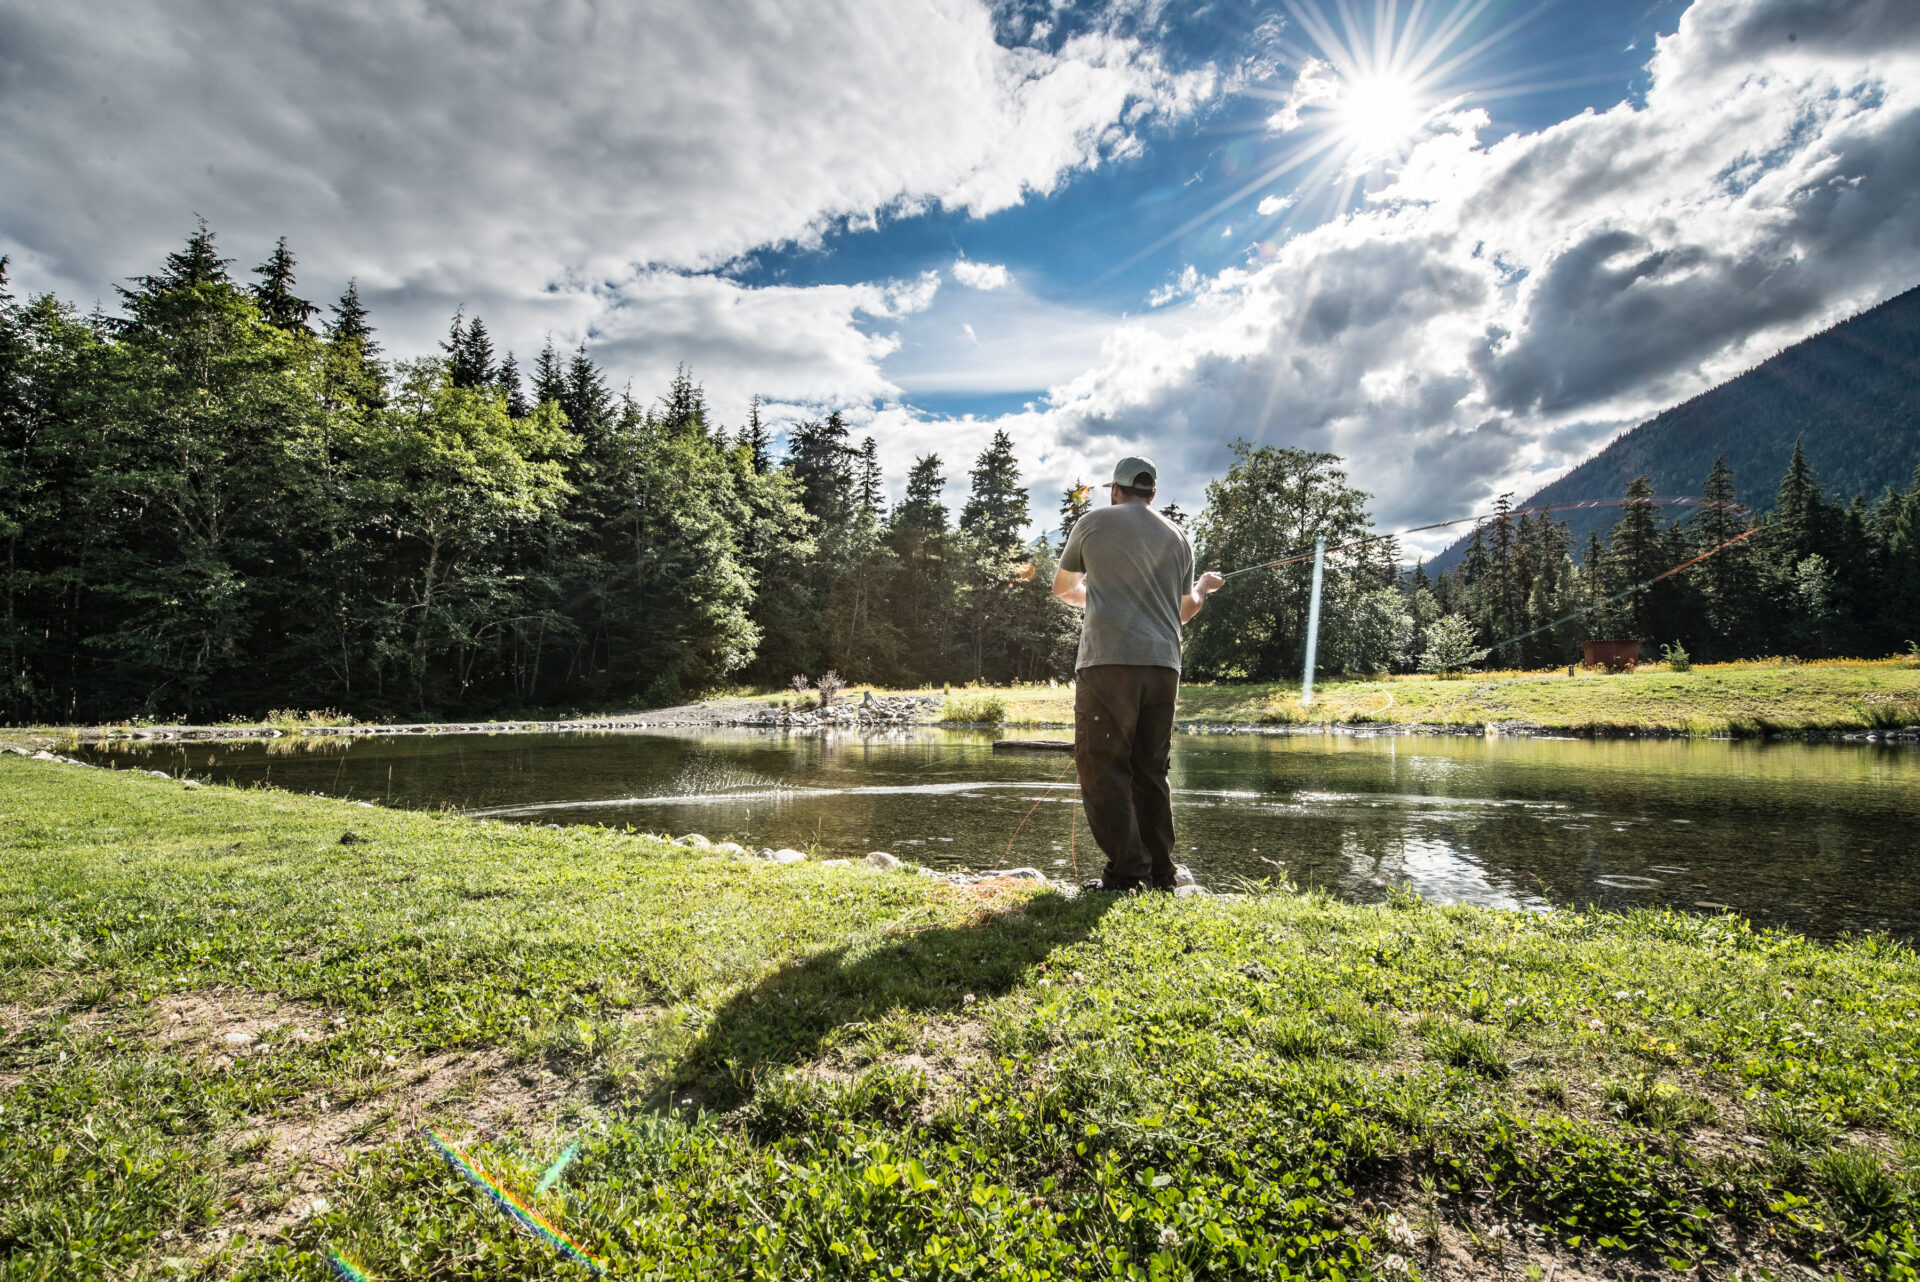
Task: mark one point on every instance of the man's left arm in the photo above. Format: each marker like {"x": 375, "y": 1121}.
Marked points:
{"x": 1070, "y": 587}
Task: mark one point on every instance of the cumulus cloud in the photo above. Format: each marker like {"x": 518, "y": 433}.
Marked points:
{"x": 1494, "y": 313}
{"x": 1271, "y": 205}
{"x": 981, "y": 275}
{"x": 526, "y": 159}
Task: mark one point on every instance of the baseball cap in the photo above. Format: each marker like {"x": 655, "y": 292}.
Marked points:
{"x": 1129, "y": 467}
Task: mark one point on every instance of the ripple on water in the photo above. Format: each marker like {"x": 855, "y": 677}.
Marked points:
{"x": 1626, "y": 881}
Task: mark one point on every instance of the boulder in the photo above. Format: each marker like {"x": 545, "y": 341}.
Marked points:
{"x": 836, "y": 863}
{"x": 881, "y": 859}
{"x": 729, "y": 848}
{"x": 691, "y": 839}
{"x": 157, "y": 774}
{"x": 1183, "y": 876}
{"x": 1184, "y": 892}
{"x": 1020, "y": 874}
{"x": 788, "y": 856}
{"x": 191, "y": 785}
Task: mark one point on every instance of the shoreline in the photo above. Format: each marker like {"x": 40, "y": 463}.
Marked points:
{"x": 53, "y": 736}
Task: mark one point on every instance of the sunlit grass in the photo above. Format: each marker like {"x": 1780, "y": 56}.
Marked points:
{"x": 777, "y": 1071}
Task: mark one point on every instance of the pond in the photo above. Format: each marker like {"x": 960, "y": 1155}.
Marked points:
{"x": 1819, "y": 837}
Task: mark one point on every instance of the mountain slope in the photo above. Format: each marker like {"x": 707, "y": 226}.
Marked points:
{"x": 1851, "y": 393}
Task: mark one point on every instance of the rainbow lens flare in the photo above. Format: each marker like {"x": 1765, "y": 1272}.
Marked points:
{"x": 346, "y": 1269}
{"x": 513, "y": 1207}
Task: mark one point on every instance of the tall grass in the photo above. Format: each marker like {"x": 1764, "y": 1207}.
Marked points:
{"x": 987, "y": 709}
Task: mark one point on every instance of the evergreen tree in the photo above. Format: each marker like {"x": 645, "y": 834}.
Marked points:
{"x": 507, "y": 379}
{"x": 819, "y": 459}
{"x": 473, "y": 363}
{"x": 1076, "y": 502}
{"x": 1636, "y": 552}
{"x": 355, "y": 377}
{"x": 1727, "y": 582}
{"x": 683, "y": 410}
{"x": 584, "y": 398}
{"x": 1900, "y": 612}
{"x": 869, "y": 485}
{"x": 197, "y": 264}
{"x": 756, "y": 438}
{"x": 995, "y": 513}
{"x": 279, "y": 305}
{"x": 1173, "y": 513}
{"x": 549, "y": 376}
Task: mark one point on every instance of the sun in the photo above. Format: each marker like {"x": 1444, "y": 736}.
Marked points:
{"x": 1378, "y": 116}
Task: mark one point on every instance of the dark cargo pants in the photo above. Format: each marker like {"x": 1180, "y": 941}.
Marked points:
{"x": 1122, "y": 733}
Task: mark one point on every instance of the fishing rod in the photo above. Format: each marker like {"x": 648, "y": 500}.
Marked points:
{"x": 1307, "y": 555}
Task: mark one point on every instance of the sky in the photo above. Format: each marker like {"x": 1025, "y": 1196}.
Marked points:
{"x": 1461, "y": 243}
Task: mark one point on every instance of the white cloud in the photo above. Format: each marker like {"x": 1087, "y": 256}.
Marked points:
{"x": 981, "y": 275}
{"x": 1499, "y": 311}
{"x": 1271, "y": 205}
{"x": 543, "y": 163}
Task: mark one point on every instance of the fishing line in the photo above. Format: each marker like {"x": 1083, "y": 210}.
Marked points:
{"x": 1297, "y": 557}
{"x": 1624, "y": 593}
{"x": 1005, "y": 854}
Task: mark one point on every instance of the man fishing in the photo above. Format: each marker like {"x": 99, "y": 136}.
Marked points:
{"x": 1131, "y": 569}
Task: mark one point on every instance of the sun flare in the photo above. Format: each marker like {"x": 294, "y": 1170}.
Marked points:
{"x": 1378, "y": 116}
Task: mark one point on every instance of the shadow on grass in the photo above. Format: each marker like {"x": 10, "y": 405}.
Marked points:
{"x": 787, "y": 1018}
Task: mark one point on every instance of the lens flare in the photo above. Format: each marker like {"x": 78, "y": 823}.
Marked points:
{"x": 346, "y": 1270}
{"x": 514, "y": 1209}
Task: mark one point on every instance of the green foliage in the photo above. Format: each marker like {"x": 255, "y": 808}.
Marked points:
{"x": 1450, "y": 646}
{"x": 974, "y": 709}
{"x": 1675, "y": 656}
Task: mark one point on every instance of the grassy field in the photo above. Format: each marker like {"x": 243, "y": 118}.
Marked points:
{"x": 1712, "y": 699}
{"x": 232, "y": 1021}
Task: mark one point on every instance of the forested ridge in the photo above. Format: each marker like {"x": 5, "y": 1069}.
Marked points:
{"x": 224, "y": 499}
{"x": 1849, "y": 394}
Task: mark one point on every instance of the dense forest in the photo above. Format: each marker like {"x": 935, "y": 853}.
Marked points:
{"x": 1849, "y": 395}
{"x": 225, "y": 499}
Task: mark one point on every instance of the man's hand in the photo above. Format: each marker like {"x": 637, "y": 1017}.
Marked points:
{"x": 1204, "y": 587}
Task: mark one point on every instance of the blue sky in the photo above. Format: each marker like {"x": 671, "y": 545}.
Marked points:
{"x": 1518, "y": 229}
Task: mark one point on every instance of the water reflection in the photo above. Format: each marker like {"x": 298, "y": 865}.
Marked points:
{"x": 1814, "y": 836}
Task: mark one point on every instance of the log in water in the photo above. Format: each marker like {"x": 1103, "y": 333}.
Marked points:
{"x": 1033, "y": 745}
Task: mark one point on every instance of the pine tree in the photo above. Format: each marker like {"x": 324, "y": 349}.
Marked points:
{"x": 473, "y": 363}
{"x": 549, "y": 376}
{"x": 921, "y": 510}
{"x": 1900, "y": 613}
{"x": 869, "y": 485}
{"x": 354, "y": 375}
{"x": 1728, "y": 586}
{"x": 1636, "y": 552}
{"x": 274, "y": 295}
{"x": 756, "y": 438}
{"x": 995, "y": 512}
{"x": 1075, "y": 503}
{"x": 349, "y": 323}
{"x": 683, "y": 410}
{"x": 198, "y": 264}
{"x": 584, "y": 397}
{"x": 818, "y": 458}
{"x": 507, "y": 379}
{"x": 1173, "y": 513}
{"x": 1799, "y": 515}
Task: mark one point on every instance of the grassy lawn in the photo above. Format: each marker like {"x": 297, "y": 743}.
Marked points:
{"x": 226, "y": 1028}
{"x": 1712, "y": 699}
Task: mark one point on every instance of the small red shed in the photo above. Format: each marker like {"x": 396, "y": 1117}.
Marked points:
{"x": 1619, "y": 654}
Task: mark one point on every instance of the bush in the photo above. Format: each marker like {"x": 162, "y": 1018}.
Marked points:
{"x": 989, "y": 709}
{"x": 1675, "y": 656}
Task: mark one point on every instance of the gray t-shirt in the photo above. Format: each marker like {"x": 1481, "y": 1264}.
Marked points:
{"x": 1138, "y": 565}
